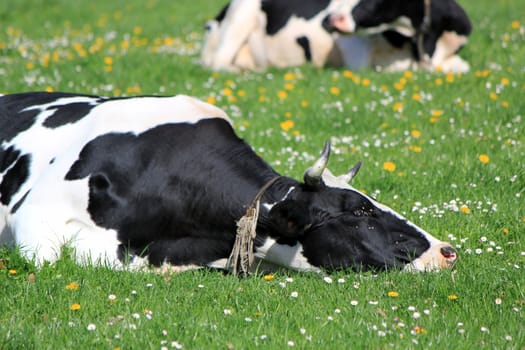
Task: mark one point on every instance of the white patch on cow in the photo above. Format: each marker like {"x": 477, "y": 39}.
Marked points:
{"x": 445, "y": 53}
{"x": 432, "y": 260}
{"x": 284, "y": 255}
{"x": 401, "y": 24}
{"x": 54, "y": 212}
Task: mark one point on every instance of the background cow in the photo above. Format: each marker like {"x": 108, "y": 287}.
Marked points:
{"x": 254, "y": 35}
{"x": 166, "y": 179}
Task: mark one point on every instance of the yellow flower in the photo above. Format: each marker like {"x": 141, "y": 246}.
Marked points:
{"x": 74, "y": 307}
{"x": 505, "y": 104}
{"x": 436, "y": 112}
{"x": 415, "y": 133}
{"x": 304, "y": 103}
{"x": 241, "y": 93}
{"x": 483, "y": 158}
{"x": 389, "y": 166}
{"x": 108, "y": 60}
{"x": 30, "y": 65}
{"x": 505, "y": 231}
{"x": 515, "y": 25}
{"x": 452, "y": 297}
{"x": 289, "y": 76}
{"x": 397, "y": 107}
{"x": 348, "y": 74}
{"x": 282, "y": 94}
{"x": 493, "y": 96}
{"x": 12, "y": 272}
{"x": 408, "y": 74}
{"x": 449, "y": 77}
{"x": 439, "y": 81}
{"x": 268, "y": 277}
{"x": 289, "y": 86}
{"x": 416, "y": 97}
{"x": 73, "y": 286}
{"x": 137, "y": 30}
{"x": 211, "y": 100}
{"x": 393, "y": 294}
{"x": 419, "y": 330}
{"x": 365, "y": 82}
{"x": 334, "y": 90}
{"x": 227, "y": 92}
{"x": 505, "y": 81}
{"x": 287, "y": 125}
{"x": 416, "y": 149}
{"x": 465, "y": 210}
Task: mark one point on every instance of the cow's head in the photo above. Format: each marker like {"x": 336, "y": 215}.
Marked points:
{"x": 340, "y": 227}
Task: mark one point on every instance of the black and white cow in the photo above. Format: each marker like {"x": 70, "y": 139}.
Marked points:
{"x": 254, "y": 35}
{"x": 166, "y": 179}
{"x": 442, "y": 26}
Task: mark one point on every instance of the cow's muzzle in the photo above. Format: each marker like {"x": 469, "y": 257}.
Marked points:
{"x": 439, "y": 256}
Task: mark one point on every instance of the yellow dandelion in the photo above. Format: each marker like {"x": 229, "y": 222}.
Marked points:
{"x": 73, "y": 286}
{"x": 415, "y": 133}
{"x": 348, "y": 74}
{"x": 241, "y": 93}
{"x": 465, "y": 210}
{"x": 289, "y": 86}
{"x": 108, "y": 68}
{"x": 262, "y": 99}
{"x": 452, "y": 297}
{"x": 397, "y": 107}
{"x": 399, "y": 86}
{"x": 419, "y": 330}
{"x": 408, "y": 74}
{"x": 289, "y": 76}
{"x": 334, "y": 90}
{"x": 137, "y": 30}
{"x": 389, "y": 166}
{"x": 282, "y": 94}
{"x": 74, "y": 307}
{"x": 438, "y": 81}
{"x": 30, "y": 65}
{"x": 108, "y": 60}
{"x": 483, "y": 158}
{"x": 436, "y": 112}
{"x": 287, "y": 125}
{"x": 383, "y": 88}
{"x": 269, "y": 277}
{"x": 416, "y": 97}
{"x": 416, "y": 149}
{"x": 227, "y": 92}
{"x": 449, "y": 77}
{"x": 515, "y": 25}
{"x": 505, "y": 81}
{"x": 304, "y": 103}
{"x": 12, "y": 272}
{"x": 296, "y": 133}
{"x": 505, "y": 104}
{"x": 211, "y": 100}
{"x": 49, "y": 89}
{"x": 493, "y": 96}
{"x": 365, "y": 82}
{"x": 393, "y": 294}
{"x": 505, "y": 231}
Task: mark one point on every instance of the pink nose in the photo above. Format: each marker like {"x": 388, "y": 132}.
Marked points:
{"x": 449, "y": 253}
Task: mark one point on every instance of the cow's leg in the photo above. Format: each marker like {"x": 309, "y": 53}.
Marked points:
{"x": 241, "y": 20}
{"x": 188, "y": 251}
{"x": 446, "y": 46}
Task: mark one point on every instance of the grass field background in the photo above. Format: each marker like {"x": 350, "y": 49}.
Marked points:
{"x": 446, "y": 150}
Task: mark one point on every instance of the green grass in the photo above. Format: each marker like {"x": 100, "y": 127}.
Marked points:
{"x": 435, "y": 141}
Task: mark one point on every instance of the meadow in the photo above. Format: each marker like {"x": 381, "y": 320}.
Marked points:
{"x": 446, "y": 150}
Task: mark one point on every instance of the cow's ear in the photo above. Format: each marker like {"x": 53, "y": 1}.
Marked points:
{"x": 290, "y": 218}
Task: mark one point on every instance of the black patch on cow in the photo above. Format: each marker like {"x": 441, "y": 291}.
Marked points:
{"x": 13, "y": 118}
{"x": 279, "y": 12}
{"x": 19, "y": 203}
{"x": 305, "y": 45}
{"x": 164, "y": 188}
{"x": 446, "y": 15}
{"x": 8, "y": 157}
{"x": 220, "y": 17}
{"x": 396, "y": 39}
{"x": 14, "y": 178}
{"x": 67, "y": 114}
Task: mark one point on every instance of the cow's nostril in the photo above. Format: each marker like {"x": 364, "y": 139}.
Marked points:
{"x": 448, "y": 252}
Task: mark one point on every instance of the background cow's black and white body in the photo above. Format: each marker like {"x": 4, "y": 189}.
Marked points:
{"x": 254, "y": 35}
{"x": 166, "y": 179}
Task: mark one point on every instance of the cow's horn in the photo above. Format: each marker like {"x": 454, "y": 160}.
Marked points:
{"x": 312, "y": 175}
{"x": 351, "y": 173}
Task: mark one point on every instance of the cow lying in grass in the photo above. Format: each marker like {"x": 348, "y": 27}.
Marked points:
{"x": 166, "y": 179}
{"x": 395, "y": 35}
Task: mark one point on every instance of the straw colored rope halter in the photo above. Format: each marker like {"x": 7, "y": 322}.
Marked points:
{"x": 241, "y": 257}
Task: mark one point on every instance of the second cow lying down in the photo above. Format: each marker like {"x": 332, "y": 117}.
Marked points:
{"x": 257, "y": 34}
{"x": 165, "y": 179}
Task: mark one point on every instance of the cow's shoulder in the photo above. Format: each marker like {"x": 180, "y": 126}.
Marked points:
{"x": 278, "y": 13}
